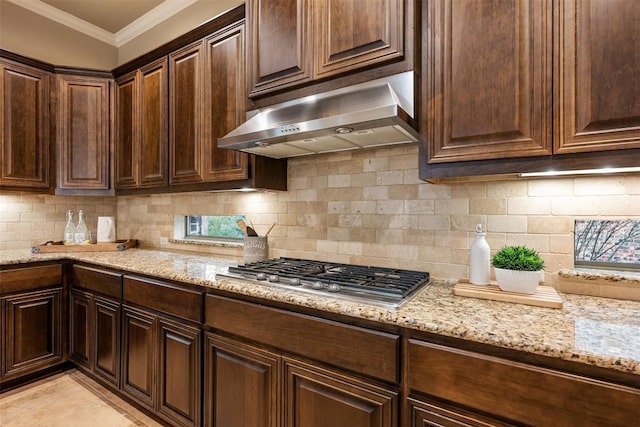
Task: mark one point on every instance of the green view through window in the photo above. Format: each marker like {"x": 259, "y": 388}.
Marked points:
{"x": 217, "y": 227}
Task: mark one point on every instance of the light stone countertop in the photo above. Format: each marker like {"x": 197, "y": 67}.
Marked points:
{"x": 595, "y": 331}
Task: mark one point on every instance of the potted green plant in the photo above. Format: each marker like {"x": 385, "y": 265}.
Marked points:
{"x": 517, "y": 269}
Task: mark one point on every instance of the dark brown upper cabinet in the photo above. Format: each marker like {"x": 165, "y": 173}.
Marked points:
{"x": 186, "y": 125}
{"x": 300, "y": 41}
{"x": 597, "y": 88}
{"x": 171, "y": 112}
{"x": 142, "y": 127}
{"x": 84, "y": 134}
{"x": 487, "y": 79}
{"x": 280, "y": 45}
{"x": 24, "y": 126}
{"x": 225, "y": 103}
{"x": 527, "y": 86}
{"x": 354, "y": 34}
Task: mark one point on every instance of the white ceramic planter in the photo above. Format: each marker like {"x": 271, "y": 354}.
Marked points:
{"x": 524, "y": 282}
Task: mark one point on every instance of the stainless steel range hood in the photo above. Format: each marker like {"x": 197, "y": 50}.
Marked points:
{"x": 366, "y": 115}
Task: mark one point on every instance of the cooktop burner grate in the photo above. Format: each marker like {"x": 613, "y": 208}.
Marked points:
{"x": 388, "y": 286}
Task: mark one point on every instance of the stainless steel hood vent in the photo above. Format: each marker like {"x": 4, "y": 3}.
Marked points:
{"x": 371, "y": 114}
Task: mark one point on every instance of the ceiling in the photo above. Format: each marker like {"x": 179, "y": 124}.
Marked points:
{"x": 112, "y": 21}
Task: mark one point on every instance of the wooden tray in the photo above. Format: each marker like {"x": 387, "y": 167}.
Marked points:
{"x": 544, "y": 296}
{"x": 53, "y": 247}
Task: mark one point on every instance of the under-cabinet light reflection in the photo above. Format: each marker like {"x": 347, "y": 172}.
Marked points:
{"x": 600, "y": 171}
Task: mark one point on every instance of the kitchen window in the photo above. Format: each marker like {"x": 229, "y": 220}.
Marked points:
{"x": 607, "y": 244}
{"x": 207, "y": 229}
{"x": 226, "y": 226}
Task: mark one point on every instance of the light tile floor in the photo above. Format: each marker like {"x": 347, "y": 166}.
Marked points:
{"x": 68, "y": 399}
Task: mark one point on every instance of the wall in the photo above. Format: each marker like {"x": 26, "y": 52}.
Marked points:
{"x": 182, "y": 22}
{"x": 366, "y": 207}
{"x": 32, "y": 35}
{"x": 32, "y": 219}
{"x": 369, "y": 207}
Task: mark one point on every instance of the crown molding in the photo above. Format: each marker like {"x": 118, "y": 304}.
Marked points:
{"x": 147, "y": 21}
{"x": 150, "y": 19}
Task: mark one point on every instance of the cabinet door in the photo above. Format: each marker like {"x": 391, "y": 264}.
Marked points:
{"x": 225, "y": 103}
{"x": 424, "y": 414}
{"x": 24, "y": 126}
{"x": 154, "y": 124}
{"x": 486, "y": 79}
{"x": 79, "y": 328}
{"x": 139, "y": 356}
{"x": 597, "y": 88}
{"x": 185, "y": 106}
{"x": 316, "y": 397}
{"x": 280, "y": 48}
{"x": 478, "y": 381}
{"x": 33, "y": 331}
{"x": 352, "y": 34}
{"x": 179, "y": 375}
{"x": 127, "y": 137}
{"x": 241, "y": 385}
{"x": 106, "y": 339}
{"x": 84, "y": 141}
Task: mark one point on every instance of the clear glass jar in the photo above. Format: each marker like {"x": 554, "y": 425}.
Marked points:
{"x": 82, "y": 232}
{"x": 69, "y": 230}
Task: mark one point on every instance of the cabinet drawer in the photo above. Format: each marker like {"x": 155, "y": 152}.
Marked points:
{"x": 23, "y": 279}
{"x": 354, "y": 348}
{"x": 160, "y": 296}
{"x": 517, "y": 391}
{"x": 100, "y": 281}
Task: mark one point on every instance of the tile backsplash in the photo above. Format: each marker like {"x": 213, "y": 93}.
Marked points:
{"x": 364, "y": 207}
{"x": 31, "y": 219}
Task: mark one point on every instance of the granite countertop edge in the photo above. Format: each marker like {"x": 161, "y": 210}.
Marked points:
{"x": 595, "y": 331}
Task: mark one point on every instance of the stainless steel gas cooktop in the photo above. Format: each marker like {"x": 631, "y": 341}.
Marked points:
{"x": 387, "y": 287}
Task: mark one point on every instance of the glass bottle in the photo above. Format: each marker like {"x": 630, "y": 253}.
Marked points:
{"x": 479, "y": 268}
{"x": 82, "y": 232}
{"x": 69, "y": 229}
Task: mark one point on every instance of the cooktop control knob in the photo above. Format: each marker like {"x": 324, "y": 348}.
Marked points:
{"x": 261, "y": 276}
{"x": 294, "y": 281}
{"x": 317, "y": 285}
{"x": 333, "y": 287}
{"x": 273, "y": 278}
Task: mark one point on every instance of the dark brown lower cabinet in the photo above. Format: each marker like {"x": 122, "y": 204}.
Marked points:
{"x": 431, "y": 414}
{"x": 179, "y": 373}
{"x": 247, "y": 386}
{"x": 94, "y": 343}
{"x": 106, "y": 341}
{"x": 241, "y": 384}
{"x": 318, "y": 397}
{"x": 161, "y": 365}
{"x": 94, "y": 322}
{"x": 80, "y": 332}
{"x": 138, "y": 355}
{"x": 33, "y": 316}
{"x": 32, "y": 331}
{"x": 516, "y": 392}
